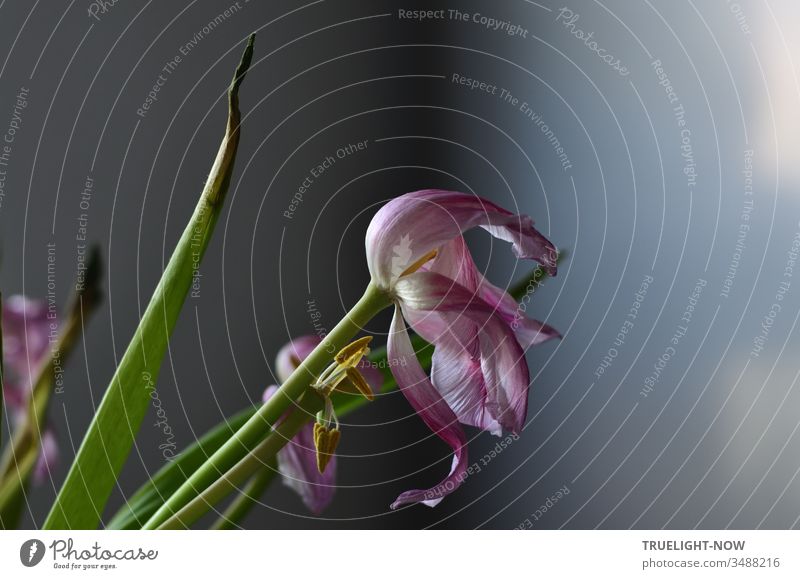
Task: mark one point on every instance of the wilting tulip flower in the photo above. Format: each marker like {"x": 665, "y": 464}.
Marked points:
{"x": 309, "y": 473}
{"x": 416, "y": 253}
{"x": 26, "y": 329}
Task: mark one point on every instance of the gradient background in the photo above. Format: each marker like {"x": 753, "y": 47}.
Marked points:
{"x": 714, "y": 445}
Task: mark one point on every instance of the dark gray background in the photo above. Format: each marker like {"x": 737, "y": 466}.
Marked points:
{"x": 714, "y": 445}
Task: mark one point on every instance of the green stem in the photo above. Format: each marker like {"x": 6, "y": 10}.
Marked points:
{"x": 256, "y": 429}
{"x": 267, "y": 450}
{"x": 152, "y": 494}
{"x": 242, "y": 504}
{"x": 309, "y": 404}
{"x": 143, "y": 503}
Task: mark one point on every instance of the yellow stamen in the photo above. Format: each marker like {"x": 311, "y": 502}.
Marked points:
{"x": 318, "y": 429}
{"x": 420, "y": 262}
{"x": 351, "y": 354}
{"x": 332, "y": 383}
{"x": 357, "y": 380}
{"x": 325, "y": 442}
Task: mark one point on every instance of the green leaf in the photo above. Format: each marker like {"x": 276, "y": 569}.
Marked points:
{"x": 108, "y": 442}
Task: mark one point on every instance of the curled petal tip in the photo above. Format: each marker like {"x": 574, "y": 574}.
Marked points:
{"x": 431, "y": 408}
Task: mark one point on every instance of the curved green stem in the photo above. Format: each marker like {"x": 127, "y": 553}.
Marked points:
{"x": 247, "y": 466}
{"x": 152, "y": 494}
{"x": 258, "y": 427}
{"x": 242, "y": 504}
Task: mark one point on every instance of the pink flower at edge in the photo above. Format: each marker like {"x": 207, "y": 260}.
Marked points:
{"x": 297, "y": 460}
{"x": 479, "y": 376}
{"x": 25, "y": 342}
{"x": 26, "y": 332}
{"x": 48, "y": 458}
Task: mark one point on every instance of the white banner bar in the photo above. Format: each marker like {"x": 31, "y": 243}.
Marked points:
{"x": 418, "y": 554}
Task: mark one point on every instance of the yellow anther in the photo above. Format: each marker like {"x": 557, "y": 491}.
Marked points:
{"x": 318, "y": 430}
{"x": 420, "y": 262}
{"x": 341, "y": 373}
{"x": 360, "y": 384}
{"x": 325, "y": 441}
{"x": 351, "y": 354}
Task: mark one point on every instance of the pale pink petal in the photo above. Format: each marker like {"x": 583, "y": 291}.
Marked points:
{"x": 409, "y": 226}
{"x": 458, "y": 376}
{"x": 529, "y": 332}
{"x": 457, "y": 371}
{"x": 269, "y": 392}
{"x": 455, "y": 262}
{"x": 13, "y": 395}
{"x": 433, "y": 410}
{"x": 48, "y": 458}
{"x": 297, "y": 463}
{"x": 456, "y": 365}
{"x": 290, "y": 356}
{"x": 26, "y": 331}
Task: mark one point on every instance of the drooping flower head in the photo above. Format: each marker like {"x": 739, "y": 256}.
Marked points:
{"x": 479, "y": 377}
{"x": 311, "y": 474}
